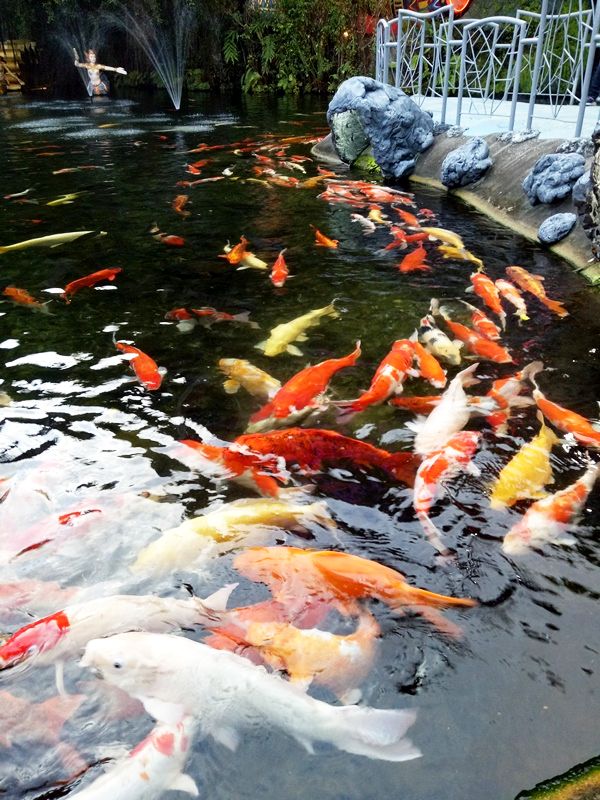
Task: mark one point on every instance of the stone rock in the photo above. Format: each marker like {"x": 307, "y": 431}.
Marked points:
{"x": 454, "y": 131}
{"x": 580, "y": 189}
{"x": 556, "y": 227}
{"x": 516, "y": 137}
{"x": 440, "y": 127}
{"x": 590, "y": 209}
{"x": 364, "y": 111}
{"x": 584, "y": 146}
{"x": 467, "y": 164}
{"x": 553, "y": 176}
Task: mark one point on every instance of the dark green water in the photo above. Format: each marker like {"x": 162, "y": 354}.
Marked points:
{"x": 513, "y": 701}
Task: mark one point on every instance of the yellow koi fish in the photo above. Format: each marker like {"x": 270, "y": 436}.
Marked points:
{"x": 282, "y": 335}
{"x": 460, "y": 253}
{"x": 54, "y": 240}
{"x": 527, "y": 472}
{"x": 64, "y": 199}
{"x": 179, "y": 547}
{"x": 448, "y": 237}
{"x": 255, "y": 381}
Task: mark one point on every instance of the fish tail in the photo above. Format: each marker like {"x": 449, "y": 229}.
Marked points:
{"x": 555, "y": 306}
{"x": 4, "y": 250}
{"x": 371, "y": 732}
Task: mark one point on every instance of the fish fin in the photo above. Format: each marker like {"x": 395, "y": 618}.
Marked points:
{"x": 350, "y": 697}
{"x": 302, "y": 337}
{"x": 374, "y": 732}
{"x": 432, "y": 533}
{"x": 306, "y": 744}
{"x": 293, "y": 350}
{"x": 470, "y": 289}
{"x": 184, "y": 783}
{"x": 231, "y": 386}
{"x": 218, "y": 600}
{"x": 228, "y": 737}
{"x": 261, "y": 345}
{"x": 414, "y": 337}
{"x": 415, "y": 425}
{"x": 59, "y": 676}
{"x": 169, "y": 713}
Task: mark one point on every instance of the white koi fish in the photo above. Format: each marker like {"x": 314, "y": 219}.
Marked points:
{"x": 175, "y": 677}
{"x": 152, "y": 768}
{"x": 54, "y": 240}
{"x": 437, "y": 343}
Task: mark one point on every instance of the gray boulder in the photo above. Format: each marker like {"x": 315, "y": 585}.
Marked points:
{"x": 556, "y": 227}
{"x": 581, "y": 188}
{"x": 553, "y": 177}
{"x": 467, "y": 164}
{"x": 364, "y": 111}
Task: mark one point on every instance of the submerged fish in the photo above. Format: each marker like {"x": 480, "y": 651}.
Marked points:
{"x": 533, "y": 284}
{"x": 284, "y": 334}
{"x": 480, "y": 345}
{"x": 547, "y": 519}
{"x": 279, "y": 271}
{"x": 179, "y": 547}
{"x": 146, "y": 369}
{"x": 437, "y": 342}
{"x": 415, "y": 260}
{"x": 179, "y": 203}
{"x": 89, "y": 280}
{"x": 22, "y": 298}
{"x": 448, "y": 237}
{"x": 254, "y": 380}
{"x": 485, "y": 288}
{"x": 54, "y": 240}
{"x": 514, "y": 296}
{"x": 569, "y": 421}
{"x": 175, "y": 677}
{"x": 527, "y": 472}
{"x": 64, "y": 199}
{"x": 322, "y": 240}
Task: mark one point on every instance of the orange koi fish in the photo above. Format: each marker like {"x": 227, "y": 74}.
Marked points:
{"x": 179, "y": 314}
{"x": 178, "y": 205}
{"x": 415, "y": 261}
{"x": 482, "y": 323}
{"x": 339, "y": 663}
{"x": 505, "y": 392}
{"x": 436, "y": 469}
{"x": 474, "y": 342}
{"x": 146, "y": 369}
{"x": 399, "y": 235}
{"x": 547, "y": 519}
{"x": 192, "y": 170}
{"x": 22, "y": 298}
{"x": 258, "y": 472}
{"x": 89, "y": 280}
{"x": 297, "y": 397}
{"x": 66, "y": 170}
{"x": 311, "y": 449}
{"x": 309, "y": 577}
{"x": 429, "y": 367}
{"x": 166, "y": 238}
{"x": 237, "y": 253}
{"x": 279, "y": 271}
{"x": 532, "y": 284}
{"x": 388, "y": 378}
{"x": 568, "y": 421}
{"x": 407, "y": 218}
{"x": 417, "y": 237}
{"x": 323, "y": 241}
{"x": 210, "y": 315}
{"x": 485, "y": 288}
{"x": 201, "y": 163}
{"x": 418, "y": 404}
{"x": 514, "y": 297}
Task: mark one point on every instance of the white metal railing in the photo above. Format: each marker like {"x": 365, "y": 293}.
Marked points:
{"x": 549, "y": 57}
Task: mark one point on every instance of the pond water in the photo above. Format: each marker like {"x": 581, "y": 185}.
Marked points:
{"x": 510, "y": 702}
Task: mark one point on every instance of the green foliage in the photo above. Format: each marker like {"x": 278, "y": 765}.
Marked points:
{"x": 195, "y": 80}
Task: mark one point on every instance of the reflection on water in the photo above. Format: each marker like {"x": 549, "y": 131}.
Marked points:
{"x": 497, "y": 706}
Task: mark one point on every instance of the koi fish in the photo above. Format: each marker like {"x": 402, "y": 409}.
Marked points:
{"x": 460, "y": 254}
{"x": 312, "y": 448}
{"x": 527, "y": 472}
{"x": 166, "y": 238}
{"x": 568, "y": 421}
{"x": 448, "y": 237}
{"x": 417, "y": 404}
{"x": 284, "y": 334}
{"x": 322, "y": 240}
{"x": 375, "y": 215}
{"x": 89, "y": 280}
{"x": 532, "y": 284}
{"x": 436, "y": 469}
{"x": 52, "y": 639}
{"x": 180, "y": 547}
{"x": 146, "y": 369}
{"x": 178, "y": 204}
{"x": 252, "y": 261}
{"x": 297, "y": 578}
{"x": 437, "y": 343}
{"x": 254, "y": 380}
{"x": 209, "y": 315}
{"x": 22, "y": 298}
{"x": 449, "y": 416}
{"x": 415, "y": 261}
{"x": 235, "y": 254}
{"x": 388, "y": 379}
{"x": 482, "y": 323}
{"x": 17, "y": 194}
{"x": 481, "y": 346}
{"x": 407, "y": 218}
{"x": 429, "y": 367}
{"x": 300, "y": 394}
{"x": 68, "y": 170}
{"x": 64, "y": 199}
{"x": 505, "y": 392}
{"x": 153, "y": 767}
{"x": 339, "y": 663}
{"x": 547, "y": 519}
{"x": 366, "y": 224}
{"x": 514, "y": 296}
{"x": 399, "y": 240}
{"x": 279, "y": 271}
{"x": 175, "y": 677}
{"x": 485, "y": 288}
{"x": 54, "y": 240}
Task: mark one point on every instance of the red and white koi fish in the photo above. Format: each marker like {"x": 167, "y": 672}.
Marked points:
{"x": 532, "y": 284}
{"x": 279, "y": 271}
{"x": 481, "y": 346}
{"x": 300, "y": 394}
{"x": 324, "y": 241}
{"x": 429, "y": 367}
{"x": 568, "y": 421}
{"x": 547, "y": 519}
{"x": 449, "y": 416}
{"x": 146, "y": 369}
{"x": 506, "y": 393}
{"x": 415, "y": 260}
{"x": 482, "y": 323}
{"x": 485, "y": 288}
{"x": 169, "y": 239}
{"x": 89, "y": 280}
{"x": 388, "y": 379}
{"x": 152, "y": 768}
{"x": 436, "y": 469}
{"x": 510, "y": 292}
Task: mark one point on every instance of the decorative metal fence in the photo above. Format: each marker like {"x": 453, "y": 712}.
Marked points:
{"x": 545, "y": 58}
